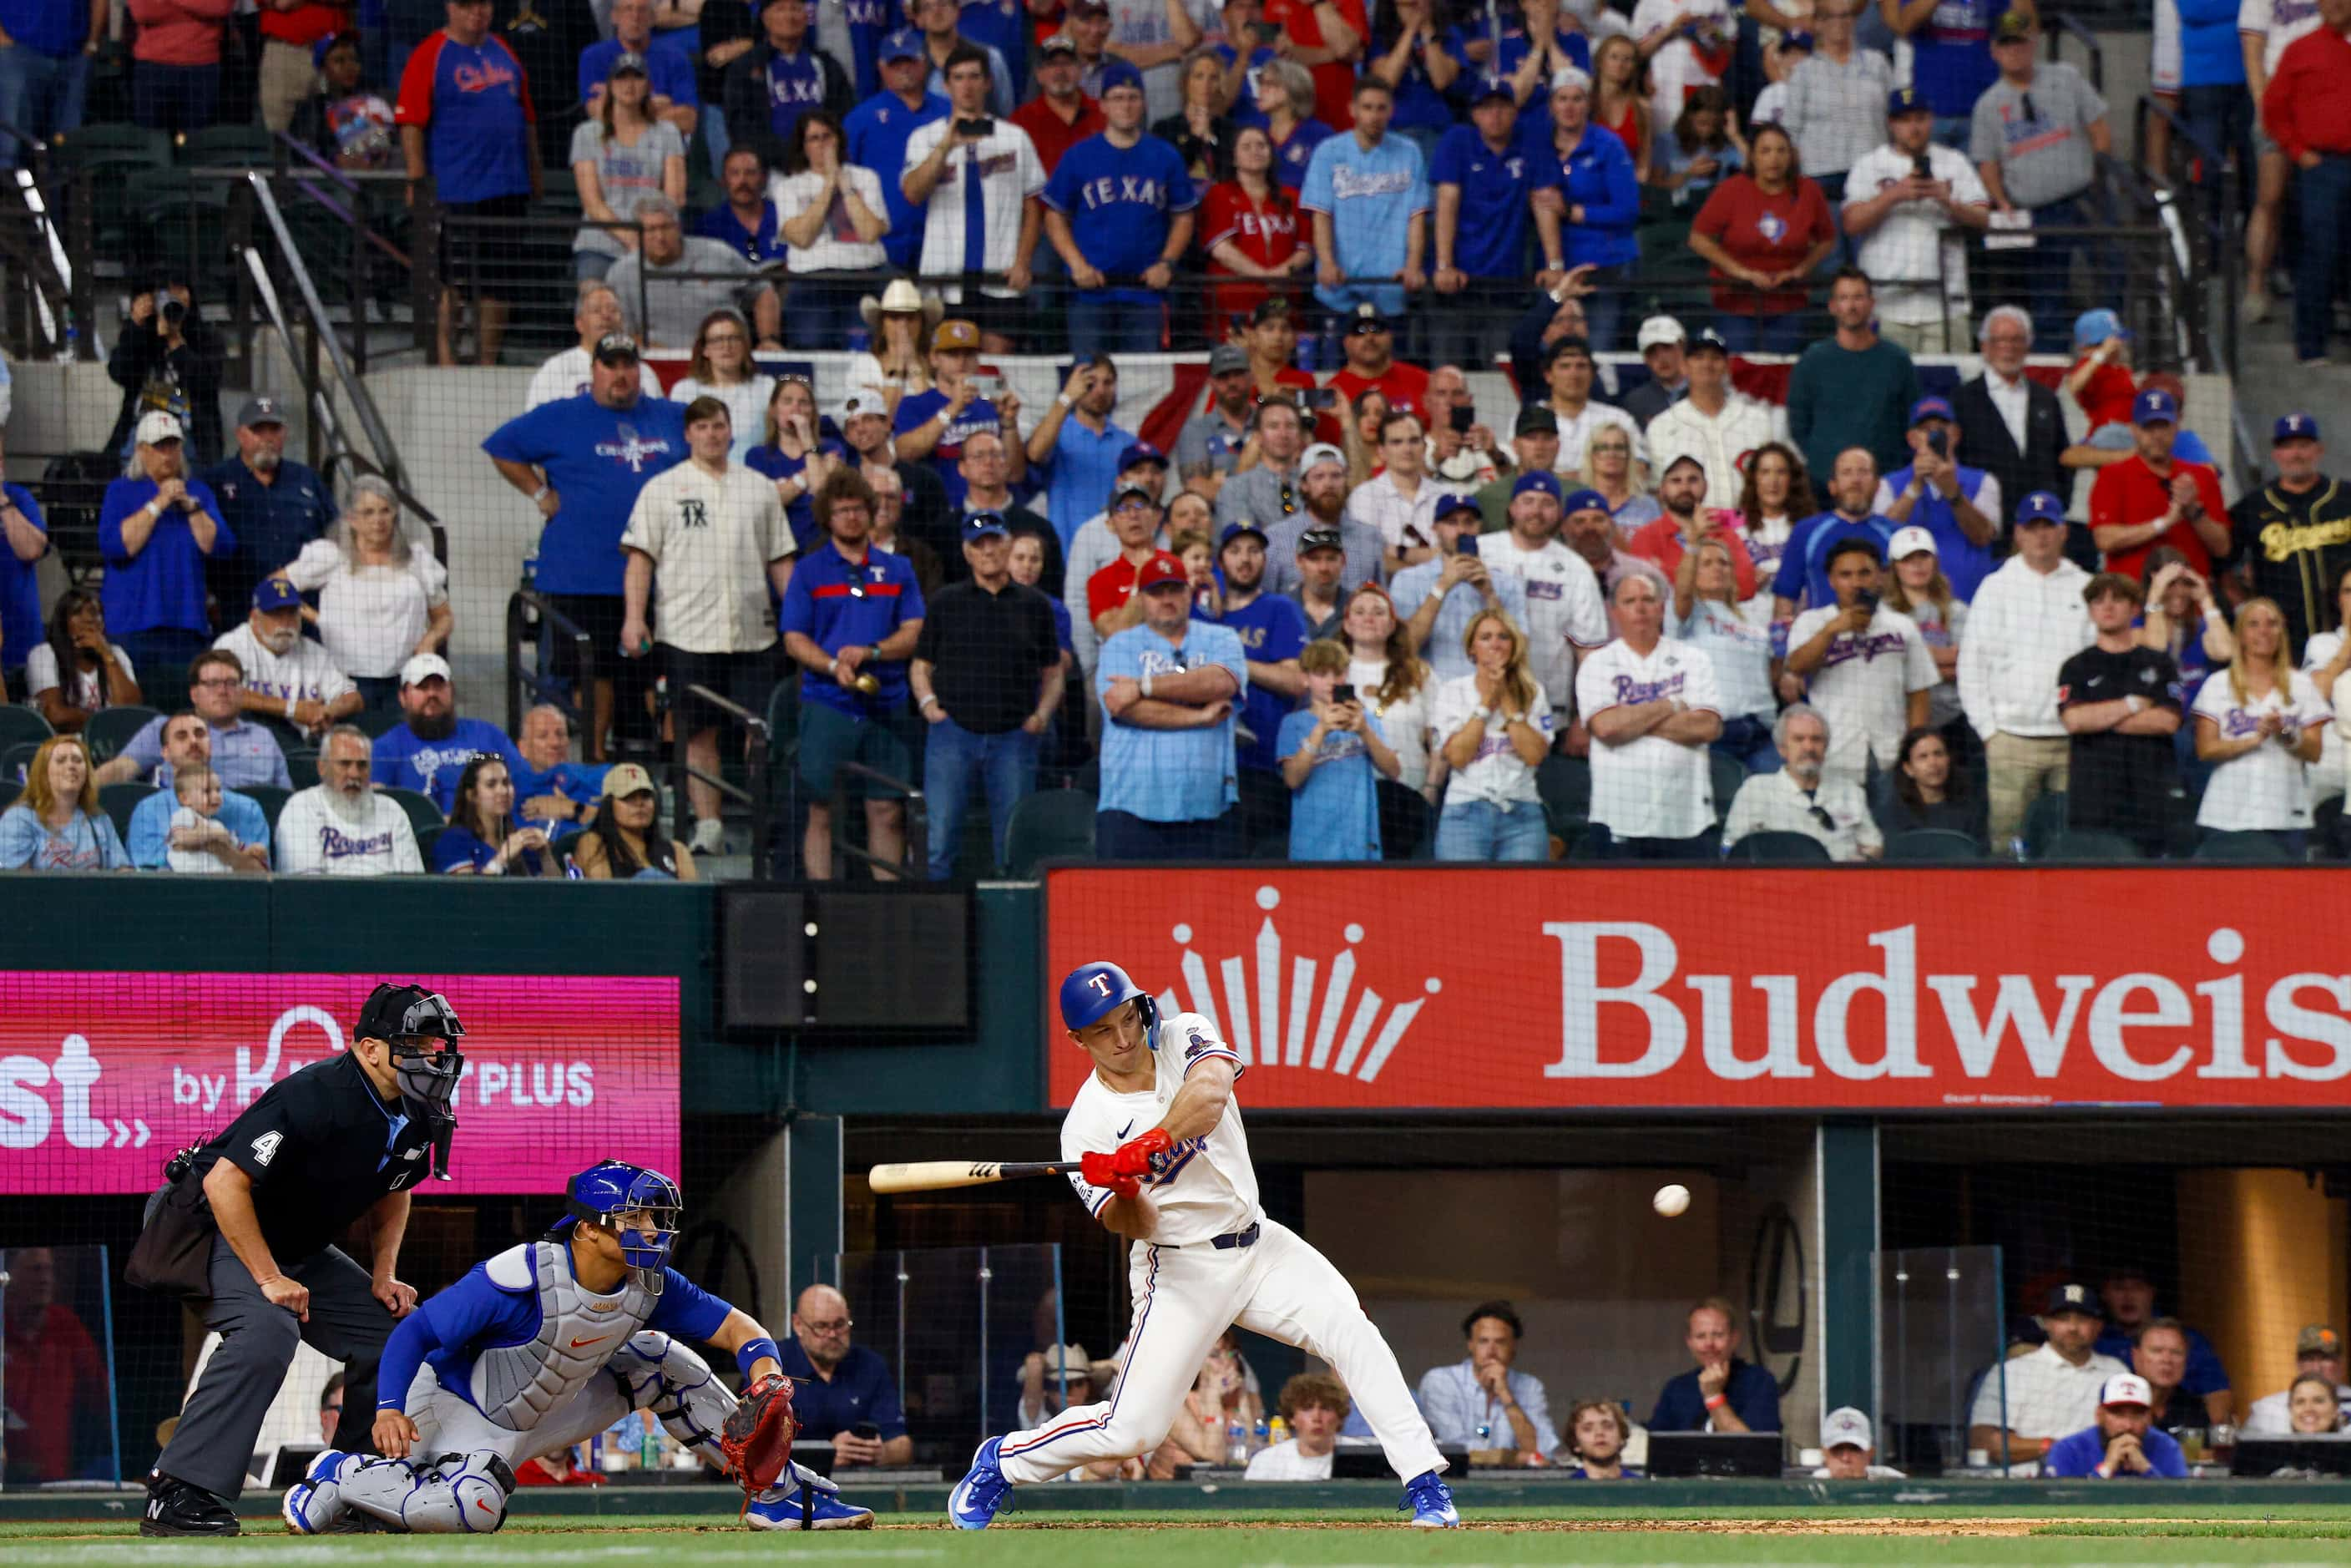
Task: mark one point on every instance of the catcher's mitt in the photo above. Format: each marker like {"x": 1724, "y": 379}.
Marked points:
{"x": 757, "y": 1439}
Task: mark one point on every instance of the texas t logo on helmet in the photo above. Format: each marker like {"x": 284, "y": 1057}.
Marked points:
{"x": 606, "y": 1193}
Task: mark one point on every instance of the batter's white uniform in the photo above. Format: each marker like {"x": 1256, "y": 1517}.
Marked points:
{"x": 1189, "y": 1290}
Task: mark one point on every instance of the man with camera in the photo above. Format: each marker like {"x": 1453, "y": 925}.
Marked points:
{"x": 1866, "y": 667}
{"x": 159, "y": 529}
{"x": 259, "y": 1208}
{"x": 1077, "y": 448}
{"x": 2154, "y": 496}
{"x": 1954, "y": 502}
{"x": 168, "y": 358}
{"x": 1441, "y": 596}
{"x": 944, "y": 160}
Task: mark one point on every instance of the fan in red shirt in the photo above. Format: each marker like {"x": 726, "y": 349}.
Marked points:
{"x": 1372, "y": 362}
{"x": 1061, "y": 115}
{"x": 2151, "y": 498}
{"x": 1134, "y": 520}
{"x": 1764, "y": 229}
{"x": 1251, "y": 230}
{"x": 1325, "y": 36}
{"x": 2100, "y": 380}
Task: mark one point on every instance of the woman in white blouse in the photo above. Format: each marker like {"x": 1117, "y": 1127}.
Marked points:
{"x": 1395, "y": 686}
{"x": 380, "y": 600}
{"x": 619, "y": 157}
{"x": 2327, "y": 657}
{"x": 1737, "y": 638}
{"x": 830, "y": 216}
{"x": 2258, "y": 724}
{"x": 1494, "y": 725}
{"x": 721, "y": 369}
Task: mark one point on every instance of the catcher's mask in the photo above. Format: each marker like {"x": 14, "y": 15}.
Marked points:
{"x": 422, "y": 1031}
{"x": 602, "y": 1193}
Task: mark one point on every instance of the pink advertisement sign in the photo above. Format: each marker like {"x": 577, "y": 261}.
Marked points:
{"x": 103, "y": 1075}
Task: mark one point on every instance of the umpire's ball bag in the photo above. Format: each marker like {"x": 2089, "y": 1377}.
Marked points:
{"x": 172, "y": 1256}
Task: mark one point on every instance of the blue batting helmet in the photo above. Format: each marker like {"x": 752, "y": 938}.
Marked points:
{"x": 1092, "y": 990}
{"x": 610, "y": 1188}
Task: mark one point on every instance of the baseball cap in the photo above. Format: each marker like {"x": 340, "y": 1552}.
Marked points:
{"x": 2092, "y": 327}
{"x": 626, "y": 780}
{"x": 1843, "y": 1425}
{"x": 1141, "y": 451}
{"x": 155, "y": 425}
{"x": 275, "y": 593}
{"x": 1321, "y": 452}
{"x": 1491, "y": 88}
{"x": 2123, "y": 1387}
{"x": 328, "y": 44}
{"x": 2155, "y": 406}
{"x": 956, "y": 334}
{"x": 423, "y": 667}
{"x": 613, "y": 347}
{"x": 1706, "y": 338}
{"x": 627, "y": 61}
{"x": 1059, "y": 44}
{"x": 1927, "y": 408}
{"x": 1535, "y": 419}
{"x": 906, "y": 44}
{"x": 1688, "y": 458}
{"x": 2293, "y": 427}
{"x": 2317, "y": 1339}
{"x": 1227, "y": 358}
{"x": 2011, "y": 26}
{"x": 1116, "y": 75}
{"x": 985, "y": 525}
{"x": 1571, "y": 76}
{"x": 1660, "y": 329}
{"x": 1269, "y": 306}
{"x": 858, "y": 404}
{"x": 2072, "y": 1297}
{"x": 1160, "y": 568}
{"x": 1906, "y": 100}
{"x": 1460, "y": 501}
{"x": 2040, "y": 506}
{"x": 1089, "y": 8}
{"x": 260, "y": 411}
{"x": 1368, "y": 319}
{"x": 1320, "y": 538}
{"x": 1540, "y": 480}
{"x": 1120, "y": 493}
{"x": 1908, "y": 542}
{"x": 1583, "y": 501}
{"x": 1239, "y": 530}
{"x": 1799, "y": 40}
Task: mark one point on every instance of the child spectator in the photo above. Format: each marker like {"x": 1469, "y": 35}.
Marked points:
{"x": 199, "y": 842}
{"x": 1703, "y": 149}
{"x": 2100, "y": 378}
{"x": 1329, "y": 749}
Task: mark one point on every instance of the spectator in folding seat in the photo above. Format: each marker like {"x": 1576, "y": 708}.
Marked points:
{"x": 2129, "y": 1291}
{"x": 1715, "y": 423}
{"x": 595, "y": 315}
{"x": 57, "y": 825}
{"x": 1957, "y": 505}
{"x": 45, "y": 72}
{"x": 1402, "y": 501}
{"x": 1368, "y": 192}
{"x": 1951, "y": 63}
{"x": 287, "y": 676}
{"x": 782, "y": 78}
{"x": 429, "y": 747}
{"x": 1925, "y": 789}
{"x": 1597, "y": 1432}
{"x": 98, "y": 673}
{"x": 2121, "y": 1443}
{"x": 879, "y": 130}
{"x": 1265, "y": 490}
{"x": 2256, "y": 723}
{"x": 622, "y": 154}
{"x": 1906, "y": 204}
{"x": 1799, "y": 796}
{"x": 1683, "y": 521}
{"x": 2155, "y": 498}
{"x": 1591, "y": 532}
{"x": 466, "y": 119}
{"x": 342, "y": 826}
{"x": 1565, "y": 619}
{"x": 241, "y": 752}
{"x": 722, "y": 368}
{"x": 1765, "y": 229}
{"x": 1834, "y": 95}
{"x": 2292, "y": 537}
{"x": 1483, "y": 1402}
{"x": 159, "y": 531}
{"x": 175, "y": 62}
{"x": 483, "y": 838}
{"x": 201, "y": 843}
{"x": 1534, "y": 443}
{"x": 273, "y": 505}
{"x": 550, "y": 788}
{"x": 187, "y": 742}
{"x": 1315, "y": 1406}
{"x": 2120, "y": 705}
{"x": 673, "y": 97}
{"x": 1652, "y": 708}
{"x": 2026, "y": 619}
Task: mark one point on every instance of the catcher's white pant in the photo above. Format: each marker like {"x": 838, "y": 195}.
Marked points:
{"x": 1185, "y": 1297}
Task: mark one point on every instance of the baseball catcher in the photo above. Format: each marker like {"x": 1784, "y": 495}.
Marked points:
{"x": 549, "y": 1344}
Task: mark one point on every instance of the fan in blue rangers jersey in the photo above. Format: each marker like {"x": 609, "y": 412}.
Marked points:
{"x": 541, "y": 1347}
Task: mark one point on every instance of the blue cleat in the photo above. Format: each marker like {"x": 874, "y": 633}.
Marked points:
{"x": 813, "y": 1504}
{"x": 314, "y": 1505}
{"x": 1431, "y": 1504}
{"x": 983, "y": 1493}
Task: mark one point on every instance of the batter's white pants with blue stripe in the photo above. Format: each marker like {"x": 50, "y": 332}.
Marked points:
{"x": 1184, "y": 1298}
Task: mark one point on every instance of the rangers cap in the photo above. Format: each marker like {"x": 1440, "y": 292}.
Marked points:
{"x": 1161, "y": 570}
{"x": 2126, "y": 1388}
{"x": 2293, "y": 427}
{"x": 1909, "y": 542}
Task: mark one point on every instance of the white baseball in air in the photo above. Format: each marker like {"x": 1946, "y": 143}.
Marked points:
{"x": 1671, "y": 1199}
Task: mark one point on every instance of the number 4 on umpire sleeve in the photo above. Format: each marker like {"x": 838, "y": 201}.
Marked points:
{"x": 265, "y": 1148}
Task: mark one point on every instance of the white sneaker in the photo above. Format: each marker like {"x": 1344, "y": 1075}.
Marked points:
{"x": 710, "y": 837}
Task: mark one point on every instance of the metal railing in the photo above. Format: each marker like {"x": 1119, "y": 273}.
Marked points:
{"x": 915, "y": 864}
{"x": 2058, "y": 27}
{"x": 754, "y": 790}
{"x": 531, "y": 619}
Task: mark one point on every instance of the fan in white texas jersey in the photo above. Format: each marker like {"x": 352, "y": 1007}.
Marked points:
{"x": 1165, "y": 1163}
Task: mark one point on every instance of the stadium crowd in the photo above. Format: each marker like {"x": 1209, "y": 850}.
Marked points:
{"x": 1708, "y": 606}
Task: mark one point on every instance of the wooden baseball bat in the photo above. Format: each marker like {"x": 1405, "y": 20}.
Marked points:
{"x": 933, "y": 1176}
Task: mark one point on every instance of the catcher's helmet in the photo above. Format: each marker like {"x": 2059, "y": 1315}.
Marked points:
{"x": 1092, "y": 990}
{"x": 604, "y": 1192}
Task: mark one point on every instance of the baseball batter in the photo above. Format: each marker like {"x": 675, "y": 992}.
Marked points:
{"x": 546, "y": 1345}
{"x": 1205, "y": 1257}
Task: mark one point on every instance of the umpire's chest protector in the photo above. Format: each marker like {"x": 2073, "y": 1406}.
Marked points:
{"x": 517, "y": 1385}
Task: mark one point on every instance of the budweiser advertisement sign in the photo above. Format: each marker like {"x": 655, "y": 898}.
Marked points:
{"x": 1756, "y": 988}
{"x": 103, "y": 1075}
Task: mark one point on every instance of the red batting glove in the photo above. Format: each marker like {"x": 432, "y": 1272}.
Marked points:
{"x": 1137, "y": 1155}
{"x": 1101, "y": 1171}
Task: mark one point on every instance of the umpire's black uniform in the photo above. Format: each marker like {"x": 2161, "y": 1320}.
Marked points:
{"x": 321, "y": 1148}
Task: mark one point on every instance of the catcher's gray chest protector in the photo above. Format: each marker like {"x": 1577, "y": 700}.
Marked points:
{"x": 516, "y": 1385}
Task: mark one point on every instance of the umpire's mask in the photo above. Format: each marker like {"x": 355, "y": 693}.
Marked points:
{"x": 413, "y": 1021}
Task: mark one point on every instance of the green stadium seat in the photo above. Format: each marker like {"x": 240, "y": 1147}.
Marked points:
{"x": 425, "y": 838}
{"x": 1780, "y": 849}
{"x": 2244, "y": 849}
{"x": 16, "y": 759}
{"x": 248, "y": 146}
{"x": 1564, "y": 786}
{"x": 22, "y": 724}
{"x": 1728, "y": 773}
{"x": 421, "y": 812}
{"x": 1051, "y": 824}
{"x": 2092, "y": 846}
{"x": 1933, "y": 845}
{"x": 2043, "y": 821}
{"x": 119, "y": 800}
{"x": 302, "y": 763}
{"x": 110, "y": 729}
{"x": 270, "y": 798}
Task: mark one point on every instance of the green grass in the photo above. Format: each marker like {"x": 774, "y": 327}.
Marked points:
{"x": 1239, "y": 1538}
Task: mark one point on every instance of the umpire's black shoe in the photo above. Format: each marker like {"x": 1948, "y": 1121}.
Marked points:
{"x": 176, "y": 1508}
